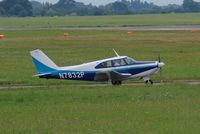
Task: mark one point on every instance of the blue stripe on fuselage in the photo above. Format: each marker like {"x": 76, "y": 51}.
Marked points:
{"x": 135, "y": 70}
{"x": 89, "y": 75}
{"x": 74, "y": 75}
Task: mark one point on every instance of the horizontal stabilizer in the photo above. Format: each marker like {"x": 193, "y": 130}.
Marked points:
{"x": 40, "y": 75}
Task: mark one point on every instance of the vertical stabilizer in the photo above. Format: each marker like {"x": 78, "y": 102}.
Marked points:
{"x": 42, "y": 62}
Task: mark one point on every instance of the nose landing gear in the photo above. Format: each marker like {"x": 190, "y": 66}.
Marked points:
{"x": 148, "y": 81}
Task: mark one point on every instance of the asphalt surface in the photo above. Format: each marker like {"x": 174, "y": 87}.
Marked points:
{"x": 144, "y": 28}
{"x": 186, "y": 82}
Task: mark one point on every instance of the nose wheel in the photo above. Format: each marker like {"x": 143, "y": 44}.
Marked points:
{"x": 147, "y": 82}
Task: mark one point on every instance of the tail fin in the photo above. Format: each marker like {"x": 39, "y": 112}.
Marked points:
{"x": 42, "y": 62}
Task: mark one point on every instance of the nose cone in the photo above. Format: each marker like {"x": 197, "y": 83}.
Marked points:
{"x": 161, "y": 64}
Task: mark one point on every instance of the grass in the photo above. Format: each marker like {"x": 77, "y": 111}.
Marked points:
{"x": 97, "y": 21}
{"x": 74, "y": 109}
{"x": 178, "y": 49}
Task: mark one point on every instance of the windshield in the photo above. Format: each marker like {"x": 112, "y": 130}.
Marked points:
{"x": 129, "y": 61}
{"x": 116, "y": 63}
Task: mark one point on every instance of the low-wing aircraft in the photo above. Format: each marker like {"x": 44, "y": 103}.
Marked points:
{"x": 114, "y": 70}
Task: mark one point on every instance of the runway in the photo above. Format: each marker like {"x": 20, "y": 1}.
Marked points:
{"x": 13, "y": 87}
{"x": 139, "y": 28}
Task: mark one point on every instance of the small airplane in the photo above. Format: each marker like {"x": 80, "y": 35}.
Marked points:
{"x": 114, "y": 70}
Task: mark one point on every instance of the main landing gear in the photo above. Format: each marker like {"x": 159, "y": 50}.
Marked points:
{"x": 117, "y": 82}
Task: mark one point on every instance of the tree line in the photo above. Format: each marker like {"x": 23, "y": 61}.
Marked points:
{"x": 23, "y": 8}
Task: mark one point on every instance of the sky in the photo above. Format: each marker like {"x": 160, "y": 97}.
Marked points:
{"x": 103, "y": 2}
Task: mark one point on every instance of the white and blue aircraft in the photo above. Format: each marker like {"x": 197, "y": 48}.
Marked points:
{"x": 114, "y": 70}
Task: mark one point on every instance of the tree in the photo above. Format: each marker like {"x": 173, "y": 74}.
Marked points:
{"x": 17, "y": 7}
{"x": 120, "y": 7}
{"x": 2, "y": 10}
{"x": 17, "y": 10}
{"x": 66, "y": 5}
{"x": 191, "y": 6}
{"x": 37, "y": 8}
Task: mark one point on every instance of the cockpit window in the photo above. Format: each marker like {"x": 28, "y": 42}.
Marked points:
{"x": 119, "y": 62}
{"x": 116, "y": 63}
{"x": 109, "y": 64}
{"x": 106, "y": 64}
{"x": 129, "y": 61}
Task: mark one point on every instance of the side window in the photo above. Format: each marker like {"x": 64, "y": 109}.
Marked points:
{"x": 118, "y": 62}
{"x": 103, "y": 65}
{"x": 109, "y": 64}
{"x": 123, "y": 62}
{"x": 106, "y": 64}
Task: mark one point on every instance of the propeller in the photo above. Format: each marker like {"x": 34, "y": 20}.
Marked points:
{"x": 159, "y": 59}
{"x": 161, "y": 75}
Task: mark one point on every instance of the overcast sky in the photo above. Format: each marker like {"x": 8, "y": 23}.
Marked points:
{"x": 102, "y": 2}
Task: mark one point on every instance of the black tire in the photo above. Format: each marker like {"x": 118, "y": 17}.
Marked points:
{"x": 146, "y": 82}
{"x": 113, "y": 82}
{"x": 151, "y": 82}
{"x": 120, "y": 82}
{"x": 116, "y": 83}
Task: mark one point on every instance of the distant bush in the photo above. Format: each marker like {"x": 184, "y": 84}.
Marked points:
{"x": 22, "y": 8}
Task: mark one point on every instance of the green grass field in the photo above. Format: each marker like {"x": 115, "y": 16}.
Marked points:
{"x": 97, "y": 21}
{"x": 165, "y": 109}
{"x": 178, "y": 49}
{"x": 77, "y": 107}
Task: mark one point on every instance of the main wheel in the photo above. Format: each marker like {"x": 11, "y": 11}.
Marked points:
{"x": 116, "y": 82}
{"x": 119, "y": 82}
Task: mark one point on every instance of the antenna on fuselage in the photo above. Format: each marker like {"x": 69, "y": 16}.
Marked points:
{"x": 116, "y": 53}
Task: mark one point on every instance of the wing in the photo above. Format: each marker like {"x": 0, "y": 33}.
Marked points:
{"x": 104, "y": 76}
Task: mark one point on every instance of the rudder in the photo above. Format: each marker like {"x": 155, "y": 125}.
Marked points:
{"x": 42, "y": 62}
